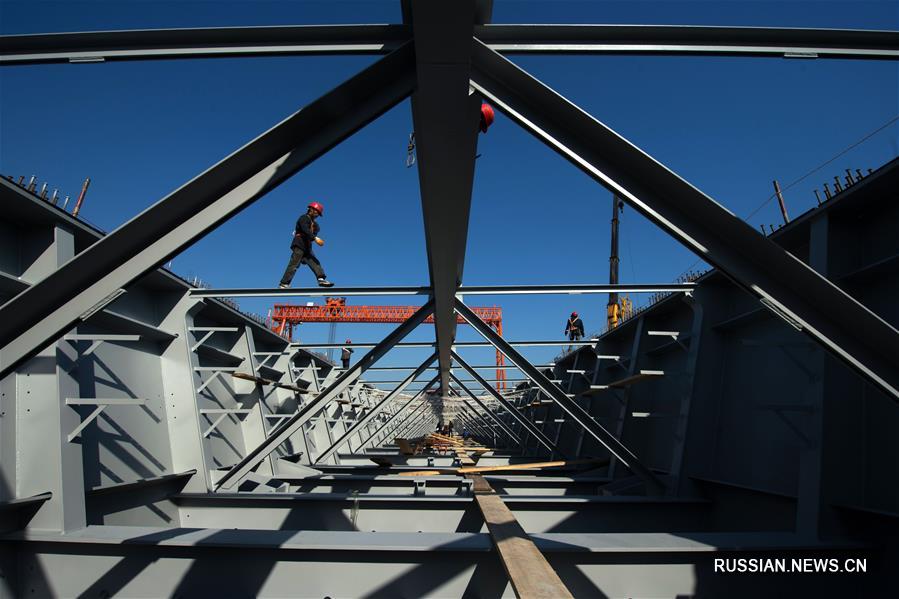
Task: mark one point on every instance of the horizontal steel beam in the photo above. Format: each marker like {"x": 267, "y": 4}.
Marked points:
{"x": 785, "y": 285}
{"x": 455, "y": 344}
{"x": 230, "y": 42}
{"x": 93, "y": 278}
{"x": 464, "y": 290}
{"x": 690, "y": 40}
{"x": 310, "y": 292}
{"x": 572, "y": 289}
{"x": 220, "y": 42}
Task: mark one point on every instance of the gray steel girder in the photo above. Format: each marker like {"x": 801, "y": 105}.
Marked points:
{"x": 784, "y": 284}
{"x": 305, "y": 413}
{"x": 446, "y": 128}
{"x": 53, "y": 305}
{"x": 357, "y": 426}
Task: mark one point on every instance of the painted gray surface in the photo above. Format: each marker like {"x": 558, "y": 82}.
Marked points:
{"x": 768, "y": 447}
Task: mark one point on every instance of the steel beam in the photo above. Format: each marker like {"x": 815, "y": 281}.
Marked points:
{"x": 376, "y": 409}
{"x": 527, "y": 424}
{"x": 446, "y": 119}
{"x": 87, "y": 282}
{"x": 457, "y": 344}
{"x": 785, "y": 285}
{"x": 214, "y": 42}
{"x": 464, "y": 290}
{"x": 689, "y": 40}
{"x": 306, "y": 412}
{"x": 231, "y": 42}
{"x": 310, "y": 292}
{"x": 396, "y": 414}
{"x": 573, "y": 289}
{"x": 512, "y": 436}
{"x": 568, "y": 405}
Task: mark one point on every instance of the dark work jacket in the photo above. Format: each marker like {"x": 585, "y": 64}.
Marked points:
{"x": 575, "y": 324}
{"x": 305, "y": 233}
{"x": 345, "y": 354}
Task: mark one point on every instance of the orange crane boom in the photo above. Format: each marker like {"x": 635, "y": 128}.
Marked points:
{"x": 284, "y": 317}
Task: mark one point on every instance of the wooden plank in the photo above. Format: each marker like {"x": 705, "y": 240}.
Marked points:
{"x": 532, "y": 465}
{"x": 529, "y": 573}
{"x": 480, "y": 469}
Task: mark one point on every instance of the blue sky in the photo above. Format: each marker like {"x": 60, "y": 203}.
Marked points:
{"x": 727, "y": 125}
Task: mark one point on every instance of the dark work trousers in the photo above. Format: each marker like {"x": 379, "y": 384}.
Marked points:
{"x": 346, "y": 363}
{"x": 298, "y": 256}
{"x": 574, "y": 335}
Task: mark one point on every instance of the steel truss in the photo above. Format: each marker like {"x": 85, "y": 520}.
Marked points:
{"x": 440, "y": 52}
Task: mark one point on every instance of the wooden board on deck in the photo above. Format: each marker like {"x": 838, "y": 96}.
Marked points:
{"x": 532, "y": 466}
{"x": 529, "y": 572}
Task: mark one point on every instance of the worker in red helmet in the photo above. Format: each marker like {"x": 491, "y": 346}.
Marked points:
{"x": 345, "y": 354}
{"x": 487, "y": 117}
{"x": 304, "y": 235}
{"x": 575, "y": 327}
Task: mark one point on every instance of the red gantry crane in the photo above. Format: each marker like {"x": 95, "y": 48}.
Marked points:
{"x": 335, "y": 309}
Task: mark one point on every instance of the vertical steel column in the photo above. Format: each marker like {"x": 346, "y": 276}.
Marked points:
{"x": 625, "y": 394}
{"x": 258, "y": 454}
{"x": 42, "y": 457}
{"x": 683, "y": 419}
{"x": 572, "y": 409}
{"x": 254, "y": 425}
{"x": 183, "y": 417}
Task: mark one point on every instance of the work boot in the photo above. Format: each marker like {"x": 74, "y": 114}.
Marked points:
{"x": 323, "y": 282}
{"x": 283, "y": 286}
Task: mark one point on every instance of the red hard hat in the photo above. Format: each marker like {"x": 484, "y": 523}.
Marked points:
{"x": 574, "y": 314}
{"x": 487, "y": 117}
{"x": 348, "y": 341}
{"x": 318, "y": 207}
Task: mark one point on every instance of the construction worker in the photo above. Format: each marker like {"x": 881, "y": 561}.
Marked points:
{"x": 575, "y": 327}
{"x": 304, "y": 235}
{"x": 345, "y": 355}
